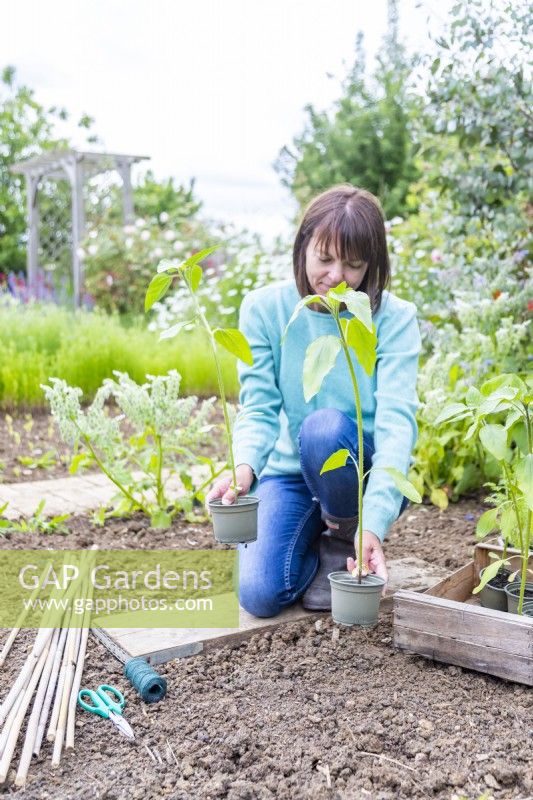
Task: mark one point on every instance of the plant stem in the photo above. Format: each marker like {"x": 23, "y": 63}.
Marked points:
{"x": 220, "y": 381}
{"x": 110, "y": 476}
{"x": 525, "y": 562}
{"x": 160, "y": 498}
{"x": 527, "y": 543}
{"x": 361, "y": 448}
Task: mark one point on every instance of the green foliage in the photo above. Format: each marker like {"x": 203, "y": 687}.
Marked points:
{"x": 26, "y": 129}
{"x": 479, "y": 110}
{"x": 158, "y": 435}
{"x": 190, "y": 273}
{"x": 34, "y": 523}
{"x": 499, "y": 416}
{"x": 84, "y": 348}
{"x": 365, "y": 139}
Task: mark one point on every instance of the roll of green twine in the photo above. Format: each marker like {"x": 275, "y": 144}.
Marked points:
{"x": 145, "y": 680}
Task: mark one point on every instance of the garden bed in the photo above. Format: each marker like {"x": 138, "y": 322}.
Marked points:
{"x": 33, "y": 435}
{"x": 286, "y": 713}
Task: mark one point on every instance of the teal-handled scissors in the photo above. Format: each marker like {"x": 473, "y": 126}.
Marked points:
{"x": 107, "y": 702}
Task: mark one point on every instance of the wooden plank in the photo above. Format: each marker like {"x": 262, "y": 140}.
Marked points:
{"x": 490, "y": 660}
{"x": 471, "y": 624}
{"x": 458, "y": 586}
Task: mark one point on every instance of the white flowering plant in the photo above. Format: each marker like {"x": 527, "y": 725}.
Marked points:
{"x": 191, "y": 275}
{"x": 240, "y": 266}
{"x": 119, "y": 260}
{"x": 155, "y": 438}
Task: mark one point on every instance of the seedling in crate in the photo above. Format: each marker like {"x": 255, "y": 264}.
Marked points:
{"x": 501, "y": 415}
{"x": 242, "y": 515}
{"x": 358, "y": 335}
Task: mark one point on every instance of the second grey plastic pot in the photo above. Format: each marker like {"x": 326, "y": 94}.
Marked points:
{"x": 493, "y": 596}
{"x": 237, "y": 523}
{"x": 354, "y": 603}
{"x": 512, "y": 590}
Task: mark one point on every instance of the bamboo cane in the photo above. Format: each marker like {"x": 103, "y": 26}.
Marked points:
{"x": 23, "y": 614}
{"x": 52, "y": 683}
{"x": 41, "y": 641}
{"x": 73, "y": 701}
{"x": 74, "y": 645}
{"x": 11, "y": 742}
{"x": 9, "y": 721}
{"x": 51, "y": 732}
{"x": 33, "y": 721}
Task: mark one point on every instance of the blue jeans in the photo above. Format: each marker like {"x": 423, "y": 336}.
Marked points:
{"x": 275, "y": 570}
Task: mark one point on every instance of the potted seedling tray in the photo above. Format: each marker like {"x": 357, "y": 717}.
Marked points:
{"x": 447, "y": 623}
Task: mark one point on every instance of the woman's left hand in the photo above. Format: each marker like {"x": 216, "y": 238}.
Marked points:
{"x": 373, "y": 558}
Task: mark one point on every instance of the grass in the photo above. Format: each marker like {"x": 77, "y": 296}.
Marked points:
{"x": 83, "y": 348}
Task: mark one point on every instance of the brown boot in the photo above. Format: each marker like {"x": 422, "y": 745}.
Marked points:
{"x": 333, "y": 553}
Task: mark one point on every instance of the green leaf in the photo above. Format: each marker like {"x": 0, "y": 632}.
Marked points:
{"x": 319, "y": 360}
{"x": 487, "y": 522}
{"x": 403, "y": 484}
{"x": 76, "y": 462}
{"x": 494, "y": 440}
{"x": 305, "y": 301}
{"x": 524, "y": 479}
{"x": 161, "y": 520}
{"x": 439, "y": 498}
{"x": 489, "y": 573}
{"x": 235, "y": 342}
{"x": 156, "y": 290}
{"x": 335, "y": 460}
{"x": 496, "y": 401}
{"x": 450, "y": 411}
{"x": 357, "y": 303}
{"x": 193, "y": 276}
{"x": 197, "y": 257}
{"x": 169, "y": 333}
{"x": 508, "y": 380}
{"x": 473, "y": 397}
{"x": 362, "y": 341}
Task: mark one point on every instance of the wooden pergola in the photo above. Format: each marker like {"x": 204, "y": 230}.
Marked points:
{"x": 75, "y": 166}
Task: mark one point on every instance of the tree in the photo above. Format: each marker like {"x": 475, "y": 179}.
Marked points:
{"x": 26, "y": 129}
{"x": 366, "y": 138}
{"x": 478, "y": 124}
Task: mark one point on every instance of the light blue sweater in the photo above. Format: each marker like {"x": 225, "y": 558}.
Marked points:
{"x": 268, "y": 441}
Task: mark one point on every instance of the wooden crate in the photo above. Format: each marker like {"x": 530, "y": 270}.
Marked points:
{"x": 447, "y": 623}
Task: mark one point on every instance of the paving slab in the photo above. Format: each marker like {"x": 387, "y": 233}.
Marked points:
{"x": 74, "y": 494}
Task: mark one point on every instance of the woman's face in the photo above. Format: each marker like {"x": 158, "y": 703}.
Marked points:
{"x": 326, "y": 270}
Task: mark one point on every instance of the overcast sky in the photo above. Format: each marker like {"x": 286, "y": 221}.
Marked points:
{"x": 210, "y": 89}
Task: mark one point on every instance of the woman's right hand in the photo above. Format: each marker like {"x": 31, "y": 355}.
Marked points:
{"x": 221, "y": 488}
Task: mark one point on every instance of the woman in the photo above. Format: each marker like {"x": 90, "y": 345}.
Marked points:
{"x": 307, "y": 522}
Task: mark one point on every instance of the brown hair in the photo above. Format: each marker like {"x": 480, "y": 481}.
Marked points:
{"x": 352, "y": 218}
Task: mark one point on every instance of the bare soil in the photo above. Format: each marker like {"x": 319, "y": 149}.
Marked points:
{"x": 31, "y": 448}
{"x": 311, "y": 710}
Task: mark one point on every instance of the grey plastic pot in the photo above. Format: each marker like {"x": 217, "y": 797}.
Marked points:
{"x": 237, "y": 523}
{"x": 492, "y": 596}
{"x": 354, "y": 603}
{"x": 527, "y": 609}
{"x": 512, "y": 590}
